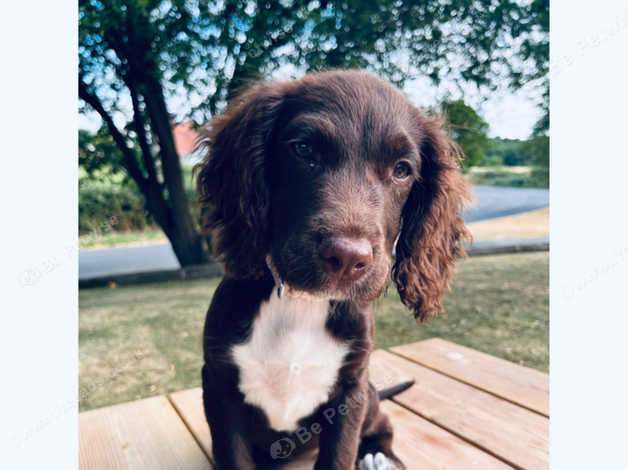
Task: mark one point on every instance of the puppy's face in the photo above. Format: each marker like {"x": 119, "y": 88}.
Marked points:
{"x": 324, "y": 174}
{"x": 343, "y": 159}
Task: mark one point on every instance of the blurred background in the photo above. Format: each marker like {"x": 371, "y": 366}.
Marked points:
{"x": 151, "y": 72}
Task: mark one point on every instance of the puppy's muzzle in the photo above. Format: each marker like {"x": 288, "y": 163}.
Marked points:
{"x": 345, "y": 260}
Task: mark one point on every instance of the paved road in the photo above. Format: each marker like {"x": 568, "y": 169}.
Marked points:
{"x": 491, "y": 202}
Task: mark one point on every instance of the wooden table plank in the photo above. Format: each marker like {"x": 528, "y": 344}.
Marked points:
{"x": 418, "y": 442}
{"x": 421, "y": 444}
{"x": 522, "y": 385}
{"x": 514, "y": 434}
{"x": 144, "y": 434}
{"x": 189, "y": 405}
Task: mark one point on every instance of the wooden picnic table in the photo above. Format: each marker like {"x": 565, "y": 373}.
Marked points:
{"x": 466, "y": 410}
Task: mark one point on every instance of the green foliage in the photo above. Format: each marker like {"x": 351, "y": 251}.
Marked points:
{"x": 216, "y": 48}
{"x": 106, "y": 207}
{"x": 538, "y": 147}
{"x": 509, "y": 152}
{"x": 503, "y": 153}
{"x": 468, "y": 129}
{"x": 108, "y": 198}
{"x": 500, "y": 176}
{"x": 109, "y": 202}
{"x": 100, "y": 158}
{"x": 534, "y": 52}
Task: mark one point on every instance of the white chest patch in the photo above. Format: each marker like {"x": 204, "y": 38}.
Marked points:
{"x": 290, "y": 362}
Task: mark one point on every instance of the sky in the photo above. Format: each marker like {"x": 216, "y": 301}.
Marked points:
{"x": 510, "y": 114}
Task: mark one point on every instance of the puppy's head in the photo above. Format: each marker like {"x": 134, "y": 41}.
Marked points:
{"x": 322, "y": 176}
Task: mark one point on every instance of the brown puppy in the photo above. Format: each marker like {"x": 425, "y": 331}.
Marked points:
{"x": 305, "y": 189}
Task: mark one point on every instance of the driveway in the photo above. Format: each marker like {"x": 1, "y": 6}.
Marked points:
{"x": 492, "y": 201}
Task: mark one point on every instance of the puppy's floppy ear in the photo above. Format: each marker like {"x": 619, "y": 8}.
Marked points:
{"x": 433, "y": 229}
{"x": 232, "y": 184}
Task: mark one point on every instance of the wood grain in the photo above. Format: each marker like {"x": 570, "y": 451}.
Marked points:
{"x": 512, "y": 433}
{"x": 417, "y": 441}
{"x": 145, "y": 434}
{"x": 421, "y": 444}
{"x": 382, "y": 376}
{"x": 522, "y": 385}
{"x": 189, "y": 405}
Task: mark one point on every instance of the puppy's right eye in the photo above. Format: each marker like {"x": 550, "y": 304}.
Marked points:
{"x": 305, "y": 152}
{"x": 402, "y": 170}
{"x": 302, "y": 149}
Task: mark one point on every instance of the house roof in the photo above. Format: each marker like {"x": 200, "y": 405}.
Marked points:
{"x": 185, "y": 138}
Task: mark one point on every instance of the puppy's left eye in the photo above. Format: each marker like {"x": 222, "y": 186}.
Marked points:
{"x": 402, "y": 170}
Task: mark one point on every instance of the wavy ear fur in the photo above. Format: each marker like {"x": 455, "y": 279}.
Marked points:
{"x": 433, "y": 229}
{"x": 232, "y": 184}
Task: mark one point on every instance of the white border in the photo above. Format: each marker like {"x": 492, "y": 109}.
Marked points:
{"x": 589, "y": 234}
{"x": 38, "y": 95}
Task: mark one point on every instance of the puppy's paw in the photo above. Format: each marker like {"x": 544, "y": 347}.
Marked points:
{"x": 377, "y": 462}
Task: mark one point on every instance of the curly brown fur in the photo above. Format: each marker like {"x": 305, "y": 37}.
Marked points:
{"x": 231, "y": 184}
{"x": 433, "y": 228}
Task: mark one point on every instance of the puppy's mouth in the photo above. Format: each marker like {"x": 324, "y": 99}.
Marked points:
{"x": 329, "y": 288}
{"x": 283, "y": 288}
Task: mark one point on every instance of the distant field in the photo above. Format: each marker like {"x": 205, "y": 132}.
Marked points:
{"x": 508, "y": 176}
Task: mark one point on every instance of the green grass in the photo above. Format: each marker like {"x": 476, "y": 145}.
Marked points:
{"x": 110, "y": 239}
{"x": 145, "y": 340}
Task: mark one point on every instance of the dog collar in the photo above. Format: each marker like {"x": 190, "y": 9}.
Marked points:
{"x": 278, "y": 281}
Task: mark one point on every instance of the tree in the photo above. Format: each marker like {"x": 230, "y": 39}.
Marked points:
{"x": 534, "y": 52}
{"x": 151, "y": 50}
{"x": 99, "y": 156}
{"x": 538, "y": 148}
{"x": 468, "y": 129}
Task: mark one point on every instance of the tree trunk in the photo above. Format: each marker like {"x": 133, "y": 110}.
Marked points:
{"x": 172, "y": 215}
{"x": 189, "y": 246}
{"x": 149, "y": 187}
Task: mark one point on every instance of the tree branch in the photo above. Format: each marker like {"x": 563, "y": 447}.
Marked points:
{"x": 151, "y": 190}
{"x": 130, "y": 162}
{"x": 138, "y": 120}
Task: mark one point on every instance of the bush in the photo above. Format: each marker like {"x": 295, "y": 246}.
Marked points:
{"x": 540, "y": 177}
{"x": 112, "y": 203}
{"x": 509, "y": 152}
{"x": 106, "y": 207}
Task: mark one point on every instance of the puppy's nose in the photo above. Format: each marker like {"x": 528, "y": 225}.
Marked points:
{"x": 346, "y": 258}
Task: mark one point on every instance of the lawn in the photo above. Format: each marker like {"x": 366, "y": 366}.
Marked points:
{"x": 145, "y": 340}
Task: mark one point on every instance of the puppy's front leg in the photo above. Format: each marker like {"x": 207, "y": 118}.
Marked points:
{"x": 340, "y": 437}
{"x": 229, "y": 449}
